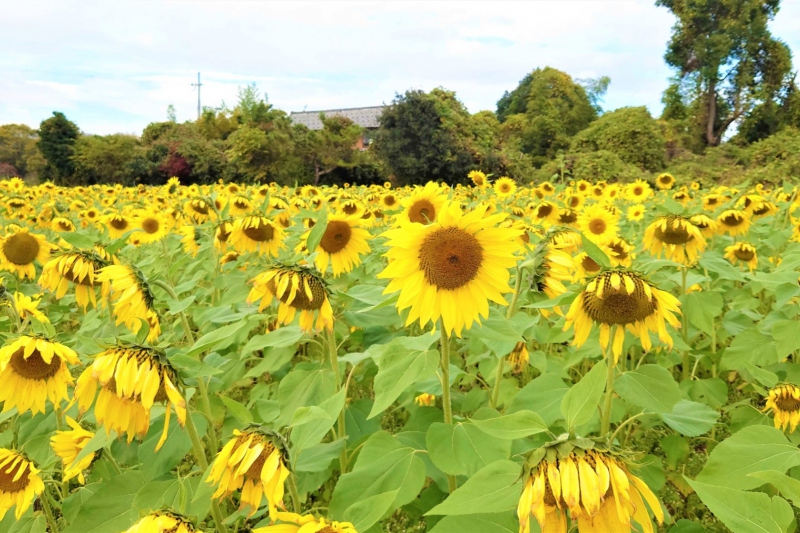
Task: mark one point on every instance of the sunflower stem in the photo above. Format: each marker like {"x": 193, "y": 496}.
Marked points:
{"x": 292, "y": 482}
{"x": 48, "y": 514}
{"x": 334, "y": 358}
{"x": 202, "y": 462}
{"x": 511, "y": 309}
{"x": 605, "y": 422}
{"x": 446, "y": 406}
{"x": 112, "y": 461}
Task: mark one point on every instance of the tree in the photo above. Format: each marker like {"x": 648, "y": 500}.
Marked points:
{"x": 257, "y": 155}
{"x": 333, "y": 146}
{"x": 57, "y": 137}
{"x": 546, "y": 110}
{"x": 726, "y": 59}
{"x": 18, "y": 149}
{"x": 104, "y": 159}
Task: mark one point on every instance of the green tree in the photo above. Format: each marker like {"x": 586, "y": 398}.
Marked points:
{"x": 104, "y": 159}
{"x": 18, "y": 149}
{"x": 726, "y": 59}
{"x": 169, "y": 149}
{"x": 258, "y": 155}
{"x": 333, "y": 146}
{"x": 57, "y": 137}
{"x": 546, "y": 110}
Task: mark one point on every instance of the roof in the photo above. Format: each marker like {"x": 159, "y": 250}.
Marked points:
{"x": 366, "y": 117}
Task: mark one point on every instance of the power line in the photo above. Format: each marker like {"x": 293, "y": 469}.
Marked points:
{"x": 198, "y": 85}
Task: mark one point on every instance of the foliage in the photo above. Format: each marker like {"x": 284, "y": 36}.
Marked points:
{"x": 104, "y": 159}
{"x": 57, "y": 136}
{"x": 18, "y": 149}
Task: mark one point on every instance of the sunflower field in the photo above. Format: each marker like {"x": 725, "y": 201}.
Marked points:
{"x": 590, "y": 357}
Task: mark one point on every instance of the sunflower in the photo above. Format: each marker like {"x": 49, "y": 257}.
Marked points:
{"x": 620, "y": 253}
{"x": 27, "y": 307}
{"x": 519, "y": 357}
{"x": 79, "y": 267}
{"x": 762, "y": 209}
{"x": 132, "y": 298}
{"x": 89, "y": 217}
{"x": 567, "y": 217}
{"x": 675, "y": 237}
{"x": 341, "y": 245}
{"x": 256, "y": 233}
{"x": 544, "y": 213}
{"x": 117, "y": 225}
{"x": 132, "y": 380}
{"x": 162, "y": 522}
{"x": 621, "y": 298}
{"x": 239, "y": 205}
{"x": 638, "y": 191}
{"x": 594, "y": 488}
{"x": 566, "y": 239}
{"x": 191, "y": 239}
{"x": 478, "y": 178}
{"x": 733, "y": 222}
{"x": 784, "y": 400}
{"x": 574, "y": 201}
{"x": 19, "y": 483}
{"x": 423, "y": 205}
{"x": 712, "y": 201}
{"x": 151, "y": 227}
{"x": 294, "y": 523}
{"x": 34, "y": 370}
{"x": 253, "y": 462}
{"x": 18, "y": 251}
{"x": 546, "y": 188}
{"x": 425, "y": 400}
{"x": 61, "y": 225}
{"x": 583, "y": 186}
{"x": 298, "y": 289}
{"x": 744, "y": 253}
{"x": 504, "y": 187}
{"x": 389, "y": 201}
{"x": 198, "y": 210}
{"x": 708, "y": 226}
{"x": 597, "y": 224}
{"x": 450, "y": 269}
{"x": 68, "y": 444}
{"x": 665, "y": 181}
{"x": 221, "y": 235}
{"x": 352, "y": 208}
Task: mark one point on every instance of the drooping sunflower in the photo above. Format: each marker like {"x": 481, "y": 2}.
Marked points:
{"x": 452, "y": 268}
{"x": 620, "y": 253}
{"x": 708, "y": 226}
{"x": 624, "y": 299}
{"x": 19, "y": 483}
{"x": 191, "y": 239}
{"x": 68, "y": 444}
{"x": 712, "y": 201}
{"x": 298, "y": 289}
{"x": 162, "y": 522}
{"x": 295, "y": 523}
{"x": 733, "y": 222}
{"x": 132, "y": 379}
{"x": 255, "y": 233}
{"x": 586, "y": 267}
{"x": 784, "y": 400}
{"x": 198, "y": 210}
{"x": 423, "y": 205}
{"x": 598, "y": 224}
{"x": 239, "y": 205}
{"x": 665, "y": 181}
{"x": 221, "y": 235}
{"x": 341, "y": 246}
{"x": 61, "y": 225}
{"x": 744, "y": 253}
{"x": 27, "y": 307}
{"x": 80, "y": 267}
{"x": 34, "y": 370}
{"x": 676, "y": 238}
{"x": 252, "y": 462}
{"x": 594, "y": 489}
{"x": 132, "y": 298}
{"x": 478, "y": 178}
{"x": 20, "y": 249}
{"x": 504, "y": 187}
{"x": 519, "y": 357}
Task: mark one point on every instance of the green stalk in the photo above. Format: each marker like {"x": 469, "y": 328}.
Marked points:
{"x": 292, "y": 482}
{"x": 511, "y": 308}
{"x": 605, "y": 422}
{"x": 334, "y": 359}
{"x": 200, "y": 455}
{"x": 112, "y": 461}
{"x": 446, "y": 405}
{"x": 48, "y": 514}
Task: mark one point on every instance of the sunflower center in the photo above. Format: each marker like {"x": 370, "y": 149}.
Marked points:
{"x": 254, "y": 472}
{"x": 787, "y": 402}
{"x": 21, "y": 248}
{"x": 744, "y": 254}
{"x": 422, "y": 212}
{"x": 450, "y": 258}
{"x": 665, "y": 179}
{"x": 673, "y": 235}
{"x": 590, "y": 265}
{"x": 336, "y": 236}
{"x": 260, "y": 232}
{"x": 301, "y": 300}
{"x": 119, "y": 223}
{"x": 222, "y": 233}
{"x": 763, "y": 209}
{"x": 568, "y": 217}
{"x": 638, "y": 191}
{"x": 240, "y": 204}
{"x": 597, "y": 226}
{"x": 65, "y": 225}
{"x": 617, "y": 306}
{"x": 326, "y": 529}
{"x": 34, "y": 367}
{"x": 389, "y": 200}
{"x": 732, "y": 220}
{"x": 619, "y": 251}
{"x": 150, "y": 225}
{"x": 543, "y": 211}
{"x": 711, "y": 201}
{"x": 349, "y": 209}
{"x": 200, "y": 208}
{"x": 504, "y": 187}
{"x": 574, "y": 201}
{"x": 8, "y": 483}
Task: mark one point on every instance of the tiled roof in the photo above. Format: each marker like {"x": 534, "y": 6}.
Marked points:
{"x": 366, "y": 117}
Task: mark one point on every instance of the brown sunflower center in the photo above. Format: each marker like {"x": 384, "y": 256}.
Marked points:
{"x": 240, "y": 204}
{"x": 150, "y": 225}
{"x": 597, "y": 226}
{"x": 672, "y": 234}
{"x": 786, "y": 402}
{"x": 617, "y": 306}
{"x": 119, "y": 223}
{"x": 389, "y": 200}
{"x": 590, "y": 265}
{"x": 574, "y": 201}
{"x": 732, "y": 220}
{"x": 665, "y": 179}
{"x": 223, "y": 233}
{"x": 422, "y": 212}
{"x": 450, "y": 258}
{"x": 568, "y": 217}
{"x": 21, "y": 248}
{"x": 638, "y": 191}
{"x": 301, "y": 300}
{"x": 505, "y": 187}
{"x": 336, "y": 236}
{"x": 350, "y": 208}
{"x": 65, "y": 224}
{"x": 744, "y": 254}
{"x": 254, "y": 472}
{"x": 260, "y": 231}
{"x": 9, "y": 482}
{"x": 200, "y": 207}
{"x": 761, "y": 210}
{"x": 711, "y": 201}
{"x": 619, "y": 251}
{"x": 34, "y": 367}
{"x": 544, "y": 211}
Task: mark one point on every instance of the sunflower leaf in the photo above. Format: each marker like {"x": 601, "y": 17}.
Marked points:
{"x": 594, "y": 252}
{"x": 581, "y": 400}
{"x": 316, "y": 233}
{"x": 745, "y": 512}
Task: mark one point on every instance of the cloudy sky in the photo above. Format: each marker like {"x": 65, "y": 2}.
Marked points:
{"x": 115, "y": 66}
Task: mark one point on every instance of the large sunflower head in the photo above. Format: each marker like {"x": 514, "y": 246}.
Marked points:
{"x": 255, "y": 233}
{"x": 19, "y": 483}
{"x": 423, "y": 205}
{"x": 733, "y": 222}
{"x": 624, "y": 300}
{"x": 784, "y": 400}
{"x": 162, "y": 522}
{"x": 253, "y": 461}
{"x": 298, "y": 290}
{"x": 20, "y": 249}
{"x": 79, "y": 267}
{"x": 341, "y": 246}
{"x": 676, "y": 237}
{"x": 598, "y": 224}
{"x": 68, "y": 444}
{"x": 132, "y": 379}
{"x": 665, "y": 181}
{"x": 742, "y": 253}
{"x": 133, "y": 300}
{"x": 33, "y": 371}
{"x": 452, "y": 268}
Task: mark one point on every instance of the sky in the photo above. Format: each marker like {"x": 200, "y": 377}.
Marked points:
{"x": 115, "y": 66}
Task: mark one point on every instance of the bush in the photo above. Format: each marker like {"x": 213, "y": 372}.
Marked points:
{"x": 590, "y": 166}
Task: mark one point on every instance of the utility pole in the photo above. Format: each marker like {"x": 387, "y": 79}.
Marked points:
{"x": 198, "y": 85}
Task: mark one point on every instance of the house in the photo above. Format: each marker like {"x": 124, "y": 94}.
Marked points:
{"x": 366, "y": 117}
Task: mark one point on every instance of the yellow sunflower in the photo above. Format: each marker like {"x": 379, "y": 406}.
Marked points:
{"x": 425, "y": 400}
{"x": 132, "y": 298}
{"x": 19, "y": 483}
{"x": 622, "y": 298}
{"x": 151, "y": 227}
{"x": 423, "y": 205}
{"x": 620, "y": 253}
{"x": 478, "y": 178}
{"x": 341, "y": 246}
{"x": 34, "y": 370}
{"x": 389, "y": 201}
{"x": 19, "y": 250}
{"x": 504, "y": 187}
{"x": 544, "y": 213}
{"x": 597, "y": 224}
{"x": 198, "y": 210}
{"x": 297, "y": 289}
{"x": 255, "y": 233}
{"x": 733, "y": 222}
{"x": 585, "y": 266}
{"x": 295, "y": 523}
{"x": 68, "y": 444}
{"x": 117, "y": 225}
{"x": 708, "y": 226}
{"x": 450, "y": 269}
{"x": 61, "y": 225}
{"x": 239, "y": 205}
{"x": 712, "y": 201}
{"x": 676, "y": 238}
{"x": 744, "y": 253}
{"x": 221, "y": 235}
{"x": 784, "y": 400}
{"x": 27, "y": 307}
{"x": 162, "y": 522}
{"x": 638, "y": 191}
{"x": 191, "y": 238}
{"x": 665, "y": 181}
{"x": 80, "y": 267}
{"x": 519, "y": 357}
{"x": 252, "y": 462}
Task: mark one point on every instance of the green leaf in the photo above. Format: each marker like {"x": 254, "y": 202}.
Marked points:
{"x": 109, "y": 509}
{"x": 237, "y": 410}
{"x": 745, "y": 512}
{"x": 749, "y": 346}
{"x": 219, "y": 338}
{"x": 687, "y": 526}
{"x": 514, "y": 426}
{"x": 714, "y": 262}
{"x": 301, "y": 388}
{"x": 155, "y": 463}
{"x": 310, "y": 432}
{"x": 650, "y": 387}
{"x": 493, "y": 489}
{"x": 690, "y": 418}
{"x": 316, "y": 233}
{"x": 710, "y": 391}
{"x": 787, "y": 337}
{"x": 190, "y": 367}
{"x": 404, "y": 362}
{"x": 280, "y": 338}
{"x": 594, "y": 251}
{"x": 318, "y": 458}
{"x": 753, "y": 449}
{"x": 676, "y": 448}
{"x": 368, "y": 511}
{"x": 581, "y": 400}
{"x": 498, "y": 334}
{"x": 178, "y": 306}
{"x": 788, "y": 486}
{"x": 78, "y": 240}
{"x": 543, "y": 396}
{"x": 479, "y": 523}
{"x": 100, "y": 440}
{"x": 702, "y": 308}
{"x": 462, "y": 448}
